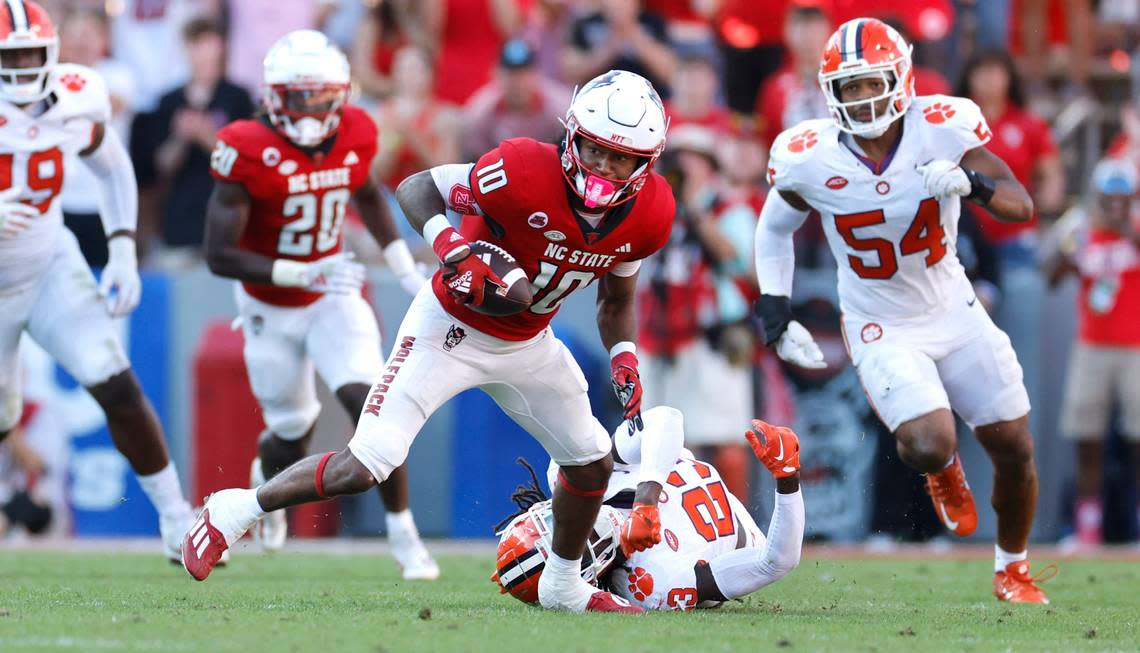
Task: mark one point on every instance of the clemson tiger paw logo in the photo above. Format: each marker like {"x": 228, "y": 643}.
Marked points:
{"x": 803, "y": 141}
{"x": 938, "y": 113}
{"x": 73, "y": 82}
{"x": 640, "y": 583}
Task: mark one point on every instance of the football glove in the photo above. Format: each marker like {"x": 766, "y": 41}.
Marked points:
{"x": 338, "y": 274}
{"x": 466, "y": 279}
{"x": 641, "y": 530}
{"x": 627, "y": 386}
{"x": 15, "y": 216}
{"x": 775, "y": 446}
{"x": 119, "y": 285}
{"x": 944, "y": 179}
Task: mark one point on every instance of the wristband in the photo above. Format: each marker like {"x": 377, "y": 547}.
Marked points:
{"x": 622, "y": 347}
{"x": 981, "y": 187}
{"x": 775, "y": 313}
{"x": 448, "y": 243}
{"x": 290, "y": 274}
{"x": 399, "y": 258}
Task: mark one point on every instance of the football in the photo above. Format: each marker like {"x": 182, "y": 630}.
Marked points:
{"x": 516, "y": 297}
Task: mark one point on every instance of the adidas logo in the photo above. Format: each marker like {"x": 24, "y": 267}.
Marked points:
{"x": 351, "y": 159}
{"x": 200, "y": 535}
{"x": 461, "y": 283}
{"x": 624, "y": 249}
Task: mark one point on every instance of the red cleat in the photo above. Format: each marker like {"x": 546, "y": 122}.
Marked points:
{"x": 202, "y": 547}
{"x": 606, "y": 602}
{"x": 1014, "y": 584}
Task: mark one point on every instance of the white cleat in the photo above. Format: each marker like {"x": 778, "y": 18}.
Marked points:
{"x": 272, "y": 530}
{"x": 172, "y": 527}
{"x": 412, "y": 556}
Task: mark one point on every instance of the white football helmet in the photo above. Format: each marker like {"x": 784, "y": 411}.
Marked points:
{"x": 25, "y": 26}
{"x": 622, "y": 111}
{"x": 306, "y": 84}
{"x": 526, "y": 543}
{"x": 867, "y": 47}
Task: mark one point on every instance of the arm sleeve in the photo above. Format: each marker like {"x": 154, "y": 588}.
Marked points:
{"x": 775, "y": 252}
{"x": 626, "y": 269}
{"x": 656, "y": 447}
{"x": 119, "y": 192}
{"x": 453, "y": 181}
{"x": 744, "y": 571}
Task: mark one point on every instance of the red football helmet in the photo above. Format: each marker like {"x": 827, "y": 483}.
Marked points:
{"x": 867, "y": 47}
{"x": 24, "y": 29}
{"x": 525, "y": 545}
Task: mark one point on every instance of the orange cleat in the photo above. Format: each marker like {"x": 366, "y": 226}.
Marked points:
{"x": 953, "y": 501}
{"x": 1015, "y": 585}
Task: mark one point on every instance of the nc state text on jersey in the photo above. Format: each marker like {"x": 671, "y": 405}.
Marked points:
{"x": 320, "y": 179}
{"x": 578, "y": 257}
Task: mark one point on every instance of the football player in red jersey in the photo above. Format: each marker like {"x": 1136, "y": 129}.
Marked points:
{"x": 274, "y": 223}
{"x": 587, "y": 211}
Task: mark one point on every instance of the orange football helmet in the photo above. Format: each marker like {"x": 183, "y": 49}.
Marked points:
{"x": 867, "y": 47}
{"x": 525, "y": 545}
{"x": 24, "y": 27}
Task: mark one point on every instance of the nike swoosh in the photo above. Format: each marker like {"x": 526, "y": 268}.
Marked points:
{"x": 971, "y": 302}
{"x": 781, "y": 456}
{"x": 952, "y": 525}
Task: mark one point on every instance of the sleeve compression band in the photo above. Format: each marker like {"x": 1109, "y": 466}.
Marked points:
{"x": 744, "y": 571}
{"x": 119, "y": 201}
{"x": 775, "y": 254}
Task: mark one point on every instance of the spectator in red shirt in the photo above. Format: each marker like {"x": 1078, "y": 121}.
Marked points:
{"x": 1104, "y": 370}
{"x": 694, "y": 101}
{"x": 1024, "y": 142}
{"x": 465, "y": 37}
{"x": 750, "y": 43}
{"x": 519, "y": 101}
{"x": 793, "y": 93}
{"x": 381, "y": 34}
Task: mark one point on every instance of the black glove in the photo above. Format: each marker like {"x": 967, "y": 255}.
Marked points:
{"x": 775, "y": 313}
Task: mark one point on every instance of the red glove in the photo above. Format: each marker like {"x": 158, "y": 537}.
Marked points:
{"x": 464, "y": 276}
{"x": 775, "y": 446}
{"x": 627, "y": 385}
{"x": 641, "y": 530}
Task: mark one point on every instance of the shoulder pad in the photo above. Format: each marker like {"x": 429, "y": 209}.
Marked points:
{"x": 80, "y": 92}
{"x": 795, "y": 146}
{"x": 506, "y": 178}
{"x": 357, "y": 125}
{"x": 958, "y": 117}
{"x": 242, "y": 150}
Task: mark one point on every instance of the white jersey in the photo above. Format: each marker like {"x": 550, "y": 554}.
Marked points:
{"x": 893, "y": 243}
{"x": 32, "y": 152}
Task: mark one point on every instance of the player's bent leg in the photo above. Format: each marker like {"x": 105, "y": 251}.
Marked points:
{"x": 274, "y": 454}
{"x": 929, "y": 445}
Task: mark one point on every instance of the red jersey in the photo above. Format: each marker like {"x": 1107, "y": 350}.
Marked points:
{"x": 1110, "y": 290}
{"x": 1020, "y": 139}
{"x": 297, "y": 201}
{"x": 524, "y": 207}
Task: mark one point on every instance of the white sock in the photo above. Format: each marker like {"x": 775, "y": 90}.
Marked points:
{"x": 400, "y": 522}
{"x": 164, "y": 490}
{"x": 562, "y": 580}
{"x": 247, "y": 505}
{"x": 1002, "y": 558}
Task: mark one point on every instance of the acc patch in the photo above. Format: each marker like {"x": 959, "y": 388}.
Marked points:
{"x": 836, "y": 182}
{"x": 287, "y": 167}
{"x": 554, "y": 236}
{"x": 671, "y": 539}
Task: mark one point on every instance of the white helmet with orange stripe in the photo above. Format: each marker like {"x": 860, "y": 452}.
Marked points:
{"x": 29, "y": 49}
{"x": 867, "y": 47}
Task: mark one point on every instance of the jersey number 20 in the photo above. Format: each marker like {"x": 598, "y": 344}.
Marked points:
{"x": 297, "y": 238}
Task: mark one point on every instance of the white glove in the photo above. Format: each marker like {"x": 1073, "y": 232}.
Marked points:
{"x": 119, "y": 285}
{"x": 337, "y": 274}
{"x": 414, "y": 280}
{"x": 15, "y": 216}
{"x": 797, "y": 347}
{"x": 944, "y": 179}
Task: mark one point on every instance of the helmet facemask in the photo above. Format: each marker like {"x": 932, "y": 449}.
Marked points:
{"x": 898, "y": 82}
{"x": 306, "y": 114}
{"x": 26, "y": 84}
{"x": 599, "y": 191}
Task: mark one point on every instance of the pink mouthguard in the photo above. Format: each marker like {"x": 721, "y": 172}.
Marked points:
{"x": 596, "y": 187}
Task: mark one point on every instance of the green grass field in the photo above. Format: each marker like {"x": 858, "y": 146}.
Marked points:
{"x": 317, "y": 602}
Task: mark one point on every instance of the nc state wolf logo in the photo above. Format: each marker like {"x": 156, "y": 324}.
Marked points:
{"x": 455, "y": 335}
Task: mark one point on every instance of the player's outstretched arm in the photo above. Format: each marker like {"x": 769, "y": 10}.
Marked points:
{"x": 377, "y": 218}
{"x": 420, "y": 199}
{"x": 109, "y": 161}
{"x": 654, "y": 450}
{"x": 226, "y": 214}
{"x": 993, "y": 185}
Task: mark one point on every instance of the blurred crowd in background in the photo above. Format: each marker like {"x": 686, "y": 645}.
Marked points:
{"x": 447, "y": 79}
